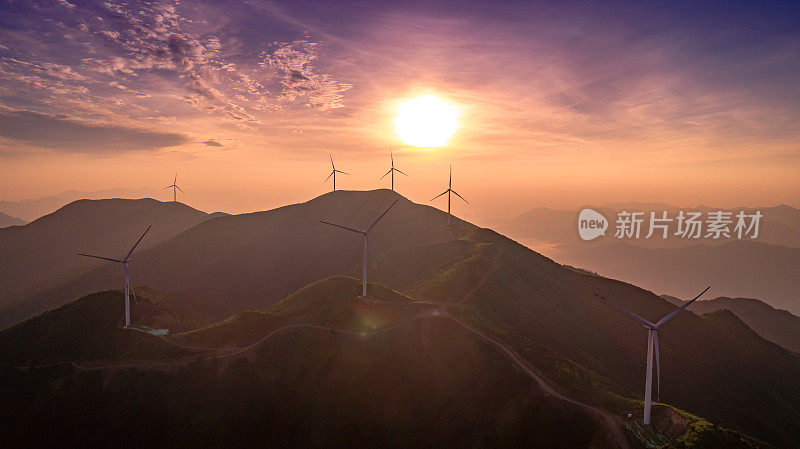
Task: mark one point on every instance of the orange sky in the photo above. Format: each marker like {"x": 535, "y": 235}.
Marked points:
{"x": 559, "y": 110}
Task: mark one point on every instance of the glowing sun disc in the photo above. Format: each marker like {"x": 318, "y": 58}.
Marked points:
{"x": 426, "y": 121}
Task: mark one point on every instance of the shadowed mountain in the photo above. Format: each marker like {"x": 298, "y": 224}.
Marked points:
{"x": 382, "y": 375}
{"x": 251, "y": 260}
{"x": 43, "y": 253}
{"x": 776, "y": 325}
{"x": 90, "y": 329}
{"x": 712, "y": 365}
{"x": 8, "y": 220}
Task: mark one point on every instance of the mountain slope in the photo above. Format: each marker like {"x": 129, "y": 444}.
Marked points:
{"x": 777, "y": 326}
{"x": 382, "y": 375}
{"x": 714, "y": 365}
{"x": 247, "y": 261}
{"x": 425, "y": 383}
{"x": 8, "y": 220}
{"x": 43, "y": 253}
{"x": 88, "y": 329}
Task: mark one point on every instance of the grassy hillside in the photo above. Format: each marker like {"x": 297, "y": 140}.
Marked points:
{"x": 428, "y": 383}
{"x": 714, "y": 366}
{"x": 88, "y": 329}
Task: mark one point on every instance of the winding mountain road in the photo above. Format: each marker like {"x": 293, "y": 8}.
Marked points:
{"x": 608, "y": 419}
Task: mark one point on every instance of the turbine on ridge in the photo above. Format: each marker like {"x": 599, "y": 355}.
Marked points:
{"x": 124, "y": 261}
{"x": 174, "y": 188}
{"x": 333, "y": 173}
{"x": 392, "y": 170}
{"x": 652, "y": 346}
{"x": 367, "y": 247}
{"x": 448, "y": 192}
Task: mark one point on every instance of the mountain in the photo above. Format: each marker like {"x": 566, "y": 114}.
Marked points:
{"x": 514, "y": 304}
{"x": 33, "y": 208}
{"x": 318, "y": 369}
{"x": 8, "y": 220}
{"x": 89, "y": 329}
{"x": 43, "y": 253}
{"x": 246, "y": 261}
{"x": 734, "y": 269}
{"x": 778, "y": 326}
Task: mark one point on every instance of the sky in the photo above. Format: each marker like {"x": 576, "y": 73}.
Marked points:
{"x": 560, "y": 104}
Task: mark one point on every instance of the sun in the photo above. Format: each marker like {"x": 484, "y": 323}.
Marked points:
{"x": 426, "y": 121}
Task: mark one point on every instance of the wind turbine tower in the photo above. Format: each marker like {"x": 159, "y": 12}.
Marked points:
{"x": 124, "y": 261}
{"x": 174, "y": 188}
{"x": 367, "y": 247}
{"x": 652, "y": 347}
{"x": 448, "y": 192}
{"x": 333, "y": 173}
{"x": 392, "y": 170}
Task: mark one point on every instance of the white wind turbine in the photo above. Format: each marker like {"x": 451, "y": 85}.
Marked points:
{"x": 652, "y": 346}
{"x": 174, "y": 188}
{"x": 124, "y": 261}
{"x": 392, "y": 170}
{"x": 448, "y": 192}
{"x": 333, "y": 173}
{"x": 367, "y": 247}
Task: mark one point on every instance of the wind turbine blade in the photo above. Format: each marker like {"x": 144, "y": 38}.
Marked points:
{"x": 456, "y": 193}
{"x": 399, "y": 171}
{"x": 176, "y": 179}
{"x": 390, "y": 170}
{"x": 668, "y": 317}
{"x": 333, "y": 166}
{"x": 437, "y": 196}
{"x": 344, "y": 173}
{"x": 167, "y": 187}
{"x": 100, "y": 257}
{"x": 391, "y": 156}
{"x": 137, "y": 243}
{"x": 343, "y": 227}
{"x": 636, "y": 317}
{"x": 372, "y": 254}
{"x": 379, "y": 218}
{"x": 180, "y": 189}
{"x": 329, "y": 176}
{"x": 658, "y": 366}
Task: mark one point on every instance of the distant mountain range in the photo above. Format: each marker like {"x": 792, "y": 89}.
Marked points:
{"x": 8, "y": 220}
{"x": 767, "y": 268}
{"x": 777, "y": 326}
{"x": 483, "y": 307}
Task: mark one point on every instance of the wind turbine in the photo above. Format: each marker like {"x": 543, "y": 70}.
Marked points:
{"x": 392, "y": 170}
{"x": 652, "y": 346}
{"x": 174, "y": 186}
{"x": 124, "y": 261}
{"x": 333, "y": 173}
{"x": 448, "y": 192}
{"x": 365, "y": 233}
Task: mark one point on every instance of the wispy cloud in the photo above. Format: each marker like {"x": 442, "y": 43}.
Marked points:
{"x": 63, "y": 135}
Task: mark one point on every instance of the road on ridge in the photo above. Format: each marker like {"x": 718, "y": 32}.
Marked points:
{"x": 606, "y": 417}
